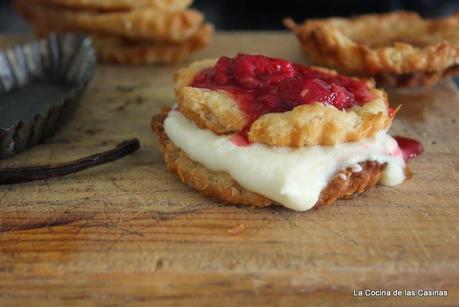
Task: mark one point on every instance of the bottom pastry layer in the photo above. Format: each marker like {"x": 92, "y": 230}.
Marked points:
{"x": 220, "y": 186}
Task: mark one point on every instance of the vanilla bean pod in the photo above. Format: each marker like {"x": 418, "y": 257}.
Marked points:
{"x": 13, "y": 175}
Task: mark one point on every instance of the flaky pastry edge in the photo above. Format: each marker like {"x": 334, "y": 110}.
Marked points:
{"x": 398, "y": 64}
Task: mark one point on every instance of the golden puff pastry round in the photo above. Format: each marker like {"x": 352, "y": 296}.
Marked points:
{"x": 137, "y": 25}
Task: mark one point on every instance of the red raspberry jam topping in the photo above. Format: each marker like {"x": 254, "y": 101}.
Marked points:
{"x": 263, "y": 85}
{"x": 410, "y": 148}
{"x": 240, "y": 140}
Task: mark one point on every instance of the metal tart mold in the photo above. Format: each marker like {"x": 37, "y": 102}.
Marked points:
{"x": 41, "y": 83}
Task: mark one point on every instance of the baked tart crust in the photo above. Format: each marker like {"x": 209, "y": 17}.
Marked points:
{"x": 399, "y": 49}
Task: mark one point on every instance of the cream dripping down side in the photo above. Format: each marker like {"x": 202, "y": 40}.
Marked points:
{"x": 293, "y": 177}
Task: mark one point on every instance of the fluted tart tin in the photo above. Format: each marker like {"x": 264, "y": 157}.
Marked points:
{"x": 41, "y": 83}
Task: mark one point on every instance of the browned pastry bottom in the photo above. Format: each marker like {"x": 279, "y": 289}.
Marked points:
{"x": 221, "y": 187}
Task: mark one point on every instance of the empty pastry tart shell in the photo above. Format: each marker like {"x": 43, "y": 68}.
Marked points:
{"x": 400, "y": 49}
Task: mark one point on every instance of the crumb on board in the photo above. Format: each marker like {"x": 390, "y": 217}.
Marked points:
{"x": 236, "y": 230}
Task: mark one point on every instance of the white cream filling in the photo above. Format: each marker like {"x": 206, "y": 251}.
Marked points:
{"x": 293, "y": 177}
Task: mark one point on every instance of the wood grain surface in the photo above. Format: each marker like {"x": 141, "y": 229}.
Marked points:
{"x": 129, "y": 233}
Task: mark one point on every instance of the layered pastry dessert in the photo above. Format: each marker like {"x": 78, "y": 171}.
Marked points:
{"x": 261, "y": 131}
{"x": 400, "y": 48}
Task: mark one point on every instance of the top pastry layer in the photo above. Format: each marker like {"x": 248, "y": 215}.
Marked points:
{"x": 280, "y": 103}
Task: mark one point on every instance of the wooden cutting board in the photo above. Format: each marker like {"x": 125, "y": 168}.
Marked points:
{"x": 130, "y": 232}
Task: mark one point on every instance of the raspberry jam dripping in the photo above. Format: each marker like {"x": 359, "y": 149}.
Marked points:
{"x": 240, "y": 140}
{"x": 410, "y": 148}
{"x": 263, "y": 85}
